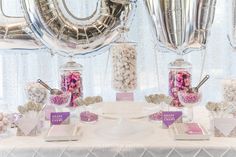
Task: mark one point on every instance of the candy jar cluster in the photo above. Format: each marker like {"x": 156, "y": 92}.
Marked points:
{"x": 179, "y": 79}
{"x": 71, "y": 81}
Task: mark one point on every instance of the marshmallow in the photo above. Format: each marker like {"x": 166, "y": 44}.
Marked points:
{"x": 36, "y": 93}
{"x": 88, "y": 100}
{"x": 124, "y": 67}
{"x": 229, "y": 90}
{"x": 30, "y": 106}
{"x": 3, "y": 123}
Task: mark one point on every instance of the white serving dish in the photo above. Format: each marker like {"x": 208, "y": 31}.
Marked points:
{"x": 124, "y": 109}
{"x": 179, "y": 135}
{"x": 63, "y": 133}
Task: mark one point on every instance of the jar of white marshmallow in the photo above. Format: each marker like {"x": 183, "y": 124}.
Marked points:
{"x": 229, "y": 90}
{"x": 124, "y": 75}
{"x": 36, "y": 93}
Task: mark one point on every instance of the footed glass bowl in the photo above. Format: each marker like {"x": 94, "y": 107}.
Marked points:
{"x": 189, "y": 100}
{"x": 61, "y": 100}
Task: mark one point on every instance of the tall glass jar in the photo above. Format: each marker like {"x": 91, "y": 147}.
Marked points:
{"x": 179, "y": 79}
{"x": 124, "y": 56}
{"x": 71, "y": 80}
{"x": 124, "y": 75}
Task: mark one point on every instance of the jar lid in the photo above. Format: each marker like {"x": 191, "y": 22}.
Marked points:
{"x": 180, "y": 63}
{"x": 122, "y": 1}
{"x": 121, "y": 43}
{"x": 71, "y": 65}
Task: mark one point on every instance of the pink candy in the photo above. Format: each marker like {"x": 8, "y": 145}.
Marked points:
{"x": 189, "y": 97}
{"x": 72, "y": 82}
{"x": 60, "y": 100}
{"x": 156, "y": 116}
{"x": 179, "y": 80}
{"x": 87, "y": 116}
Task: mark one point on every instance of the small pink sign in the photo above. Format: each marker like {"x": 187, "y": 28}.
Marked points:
{"x": 124, "y": 96}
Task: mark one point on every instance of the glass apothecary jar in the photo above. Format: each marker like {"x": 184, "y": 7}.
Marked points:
{"x": 180, "y": 78}
{"x": 124, "y": 58}
{"x": 124, "y": 74}
{"x": 71, "y": 80}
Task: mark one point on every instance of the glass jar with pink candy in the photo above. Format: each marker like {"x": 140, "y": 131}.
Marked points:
{"x": 179, "y": 79}
{"x": 71, "y": 80}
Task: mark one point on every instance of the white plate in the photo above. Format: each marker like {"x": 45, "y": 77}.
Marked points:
{"x": 130, "y": 110}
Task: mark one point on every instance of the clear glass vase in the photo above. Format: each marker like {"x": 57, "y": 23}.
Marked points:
{"x": 124, "y": 63}
{"x": 71, "y": 80}
{"x": 179, "y": 79}
{"x": 124, "y": 74}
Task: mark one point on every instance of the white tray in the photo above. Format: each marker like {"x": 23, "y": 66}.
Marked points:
{"x": 63, "y": 133}
{"x": 128, "y": 110}
{"x": 184, "y": 136}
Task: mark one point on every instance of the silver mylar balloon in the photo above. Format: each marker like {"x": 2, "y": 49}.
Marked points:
{"x": 182, "y": 25}
{"x": 205, "y": 10}
{"x": 232, "y": 32}
{"x": 15, "y": 34}
{"x": 58, "y": 29}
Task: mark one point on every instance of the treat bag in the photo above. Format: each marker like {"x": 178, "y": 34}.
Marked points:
{"x": 29, "y": 124}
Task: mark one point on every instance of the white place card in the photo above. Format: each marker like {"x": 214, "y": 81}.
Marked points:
{"x": 225, "y": 127}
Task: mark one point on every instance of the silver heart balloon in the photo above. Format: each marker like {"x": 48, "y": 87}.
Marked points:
{"x": 182, "y": 25}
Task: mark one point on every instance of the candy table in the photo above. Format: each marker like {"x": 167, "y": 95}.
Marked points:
{"x": 155, "y": 143}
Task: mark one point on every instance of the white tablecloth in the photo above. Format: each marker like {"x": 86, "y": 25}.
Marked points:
{"x": 156, "y": 143}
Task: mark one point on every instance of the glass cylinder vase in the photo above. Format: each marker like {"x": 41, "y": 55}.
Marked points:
{"x": 179, "y": 79}
{"x": 71, "y": 80}
{"x": 124, "y": 74}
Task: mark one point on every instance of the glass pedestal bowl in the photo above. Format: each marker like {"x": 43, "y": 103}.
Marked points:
{"x": 60, "y": 101}
{"x": 189, "y": 100}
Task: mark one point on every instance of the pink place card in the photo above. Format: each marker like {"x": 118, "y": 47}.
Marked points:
{"x": 193, "y": 129}
{"x": 124, "y": 96}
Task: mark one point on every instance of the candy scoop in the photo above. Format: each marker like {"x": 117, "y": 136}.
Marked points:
{"x": 195, "y": 89}
{"x": 52, "y": 91}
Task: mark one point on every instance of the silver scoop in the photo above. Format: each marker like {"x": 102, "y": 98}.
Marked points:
{"x": 195, "y": 89}
{"x": 52, "y": 91}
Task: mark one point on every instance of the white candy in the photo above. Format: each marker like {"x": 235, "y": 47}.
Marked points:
{"x": 124, "y": 67}
{"x": 3, "y": 122}
{"x": 1, "y": 116}
{"x": 88, "y": 100}
{"x": 30, "y": 106}
{"x": 229, "y": 90}
{"x": 36, "y": 93}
